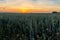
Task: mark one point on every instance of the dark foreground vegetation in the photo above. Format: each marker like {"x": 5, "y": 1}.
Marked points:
{"x": 29, "y": 26}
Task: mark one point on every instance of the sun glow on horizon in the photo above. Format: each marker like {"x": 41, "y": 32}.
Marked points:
{"x": 24, "y": 10}
{"x": 29, "y": 10}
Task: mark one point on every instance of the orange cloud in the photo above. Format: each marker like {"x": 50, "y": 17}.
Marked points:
{"x": 25, "y": 9}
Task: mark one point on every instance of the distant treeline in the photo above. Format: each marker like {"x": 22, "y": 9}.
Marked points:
{"x": 41, "y": 27}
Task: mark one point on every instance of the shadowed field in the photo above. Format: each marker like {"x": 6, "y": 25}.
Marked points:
{"x": 29, "y": 26}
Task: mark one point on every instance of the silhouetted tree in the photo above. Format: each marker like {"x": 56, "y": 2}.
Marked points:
{"x": 54, "y": 12}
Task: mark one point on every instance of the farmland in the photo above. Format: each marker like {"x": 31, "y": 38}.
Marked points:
{"x": 43, "y": 26}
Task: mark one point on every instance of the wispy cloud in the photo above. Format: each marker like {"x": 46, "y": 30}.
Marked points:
{"x": 32, "y": 2}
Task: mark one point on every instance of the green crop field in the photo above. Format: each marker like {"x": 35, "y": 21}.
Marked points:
{"x": 43, "y": 26}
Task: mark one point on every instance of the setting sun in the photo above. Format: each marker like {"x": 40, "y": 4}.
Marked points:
{"x": 24, "y": 10}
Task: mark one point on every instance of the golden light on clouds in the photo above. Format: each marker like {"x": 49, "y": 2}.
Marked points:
{"x": 27, "y": 9}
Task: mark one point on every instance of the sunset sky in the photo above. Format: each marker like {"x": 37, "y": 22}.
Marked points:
{"x": 29, "y": 5}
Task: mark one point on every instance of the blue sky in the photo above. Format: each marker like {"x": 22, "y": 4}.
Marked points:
{"x": 33, "y": 2}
